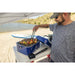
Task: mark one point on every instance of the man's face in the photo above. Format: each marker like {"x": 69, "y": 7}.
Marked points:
{"x": 60, "y": 19}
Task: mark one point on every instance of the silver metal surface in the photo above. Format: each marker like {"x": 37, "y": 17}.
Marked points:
{"x": 33, "y": 33}
{"x": 24, "y": 58}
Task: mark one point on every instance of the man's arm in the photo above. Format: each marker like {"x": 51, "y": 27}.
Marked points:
{"x": 40, "y": 26}
{"x": 44, "y": 25}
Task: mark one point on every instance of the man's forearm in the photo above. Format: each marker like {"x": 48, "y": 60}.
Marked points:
{"x": 44, "y": 26}
{"x": 40, "y": 26}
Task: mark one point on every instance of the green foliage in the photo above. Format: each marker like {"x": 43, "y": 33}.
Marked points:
{"x": 45, "y": 19}
{"x": 40, "y": 20}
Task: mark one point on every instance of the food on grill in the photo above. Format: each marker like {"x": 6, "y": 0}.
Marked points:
{"x": 28, "y": 42}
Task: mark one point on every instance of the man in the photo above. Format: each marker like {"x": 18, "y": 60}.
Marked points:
{"x": 63, "y": 41}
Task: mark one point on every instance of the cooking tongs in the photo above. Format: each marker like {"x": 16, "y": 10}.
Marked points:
{"x": 32, "y": 36}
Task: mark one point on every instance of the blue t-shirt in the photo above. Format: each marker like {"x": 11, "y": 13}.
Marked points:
{"x": 63, "y": 42}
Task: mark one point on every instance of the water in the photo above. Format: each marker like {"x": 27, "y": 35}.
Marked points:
{"x": 15, "y": 27}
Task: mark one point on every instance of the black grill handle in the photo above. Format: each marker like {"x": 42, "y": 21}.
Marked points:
{"x": 41, "y": 51}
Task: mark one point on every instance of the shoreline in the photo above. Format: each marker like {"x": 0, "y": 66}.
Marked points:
{"x": 15, "y": 31}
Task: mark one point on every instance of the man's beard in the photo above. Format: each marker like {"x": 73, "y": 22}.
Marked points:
{"x": 60, "y": 23}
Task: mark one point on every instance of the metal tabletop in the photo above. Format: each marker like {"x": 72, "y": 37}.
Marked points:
{"x": 24, "y": 58}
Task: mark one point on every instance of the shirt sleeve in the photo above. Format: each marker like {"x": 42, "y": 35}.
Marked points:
{"x": 52, "y": 26}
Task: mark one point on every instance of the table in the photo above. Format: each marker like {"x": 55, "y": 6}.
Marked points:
{"x": 24, "y": 58}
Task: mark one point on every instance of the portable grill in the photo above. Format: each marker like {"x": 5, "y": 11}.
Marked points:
{"x": 28, "y": 50}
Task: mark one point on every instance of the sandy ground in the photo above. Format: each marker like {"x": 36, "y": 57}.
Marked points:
{"x": 7, "y": 42}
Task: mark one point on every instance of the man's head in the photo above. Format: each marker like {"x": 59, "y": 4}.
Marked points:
{"x": 61, "y": 18}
